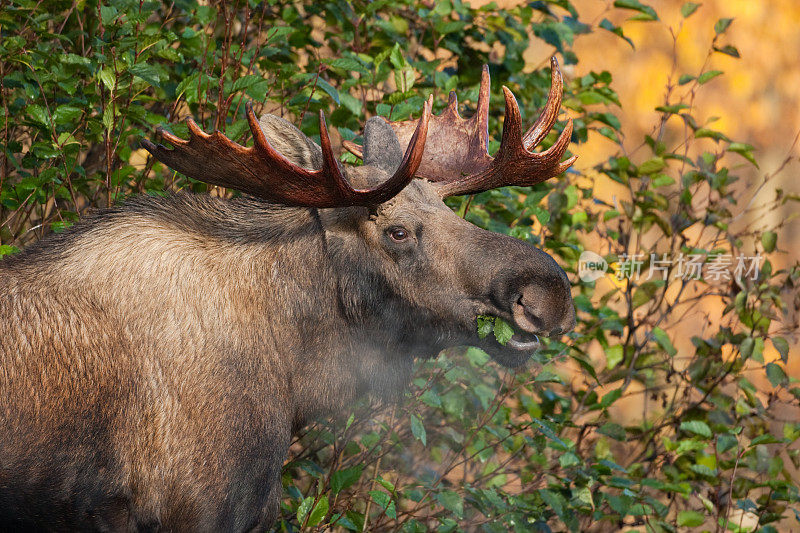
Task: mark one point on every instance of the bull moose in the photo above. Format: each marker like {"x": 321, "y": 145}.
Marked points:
{"x": 156, "y": 358}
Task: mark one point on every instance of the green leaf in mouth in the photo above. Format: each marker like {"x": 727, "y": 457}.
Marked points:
{"x": 503, "y": 331}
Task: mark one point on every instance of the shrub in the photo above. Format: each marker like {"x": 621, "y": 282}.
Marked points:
{"x": 471, "y": 446}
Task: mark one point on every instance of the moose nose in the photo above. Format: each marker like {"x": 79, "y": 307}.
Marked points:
{"x": 545, "y": 308}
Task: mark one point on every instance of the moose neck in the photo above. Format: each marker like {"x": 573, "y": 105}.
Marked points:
{"x": 355, "y": 346}
{"x": 241, "y": 292}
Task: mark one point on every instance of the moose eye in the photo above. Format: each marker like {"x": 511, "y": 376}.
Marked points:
{"x": 398, "y": 234}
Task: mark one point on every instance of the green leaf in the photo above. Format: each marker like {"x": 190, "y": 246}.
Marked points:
{"x": 404, "y": 79}
{"x": 711, "y": 134}
{"x": 554, "y": 501}
{"x": 385, "y": 483}
{"x": 7, "y": 249}
{"x": 348, "y": 64}
{"x": 663, "y": 340}
{"x": 782, "y": 346}
{"x": 652, "y": 166}
{"x": 350, "y": 521}
{"x": 396, "y": 57}
{"x": 688, "y": 9}
{"x": 450, "y": 26}
{"x": 107, "y": 78}
{"x": 616, "y": 30}
{"x": 698, "y": 427}
{"x": 304, "y": 508}
{"x": 352, "y": 103}
{"x": 418, "y": 430}
{"x": 758, "y": 350}
{"x": 542, "y": 214}
{"x": 746, "y": 347}
{"x": 66, "y": 114}
{"x": 769, "y": 239}
{"x": 662, "y": 180}
{"x": 342, "y": 479}
{"x": 328, "y": 88}
{"x": 503, "y": 331}
{"x": 690, "y": 519}
{"x": 485, "y": 326}
{"x": 452, "y": 501}
{"x": 380, "y": 497}
{"x": 672, "y": 109}
{"x": 776, "y": 375}
{"x": 726, "y": 442}
{"x": 188, "y": 86}
{"x": 729, "y": 50}
{"x": 319, "y": 512}
{"x": 586, "y": 365}
{"x": 277, "y": 32}
{"x": 108, "y": 116}
{"x": 583, "y": 495}
{"x": 745, "y": 150}
{"x": 148, "y": 73}
{"x": 614, "y": 355}
{"x": 549, "y": 433}
{"x": 615, "y": 431}
{"x": 648, "y": 12}
{"x": 38, "y": 114}
{"x": 108, "y": 14}
{"x": 246, "y": 81}
{"x": 722, "y": 25}
{"x": 610, "y": 398}
{"x": 766, "y": 438}
{"x": 705, "y": 77}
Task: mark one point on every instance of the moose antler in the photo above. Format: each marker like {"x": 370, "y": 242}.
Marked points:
{"x": 456, "y": 155}
{"x": 262, "y": 171}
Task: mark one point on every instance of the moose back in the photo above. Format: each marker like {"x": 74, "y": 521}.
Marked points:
{"x": 156, "y": 358}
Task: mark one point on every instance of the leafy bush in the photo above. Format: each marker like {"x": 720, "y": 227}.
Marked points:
{"x": 472, "y": 446}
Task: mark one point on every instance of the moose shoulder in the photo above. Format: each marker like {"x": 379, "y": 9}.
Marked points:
{"x": 156, "y": 358}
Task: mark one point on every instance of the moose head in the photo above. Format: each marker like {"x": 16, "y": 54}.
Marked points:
{"x": 413, "y": 275}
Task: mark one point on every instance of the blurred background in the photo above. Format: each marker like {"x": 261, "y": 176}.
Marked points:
{"x": 756, "y": 101}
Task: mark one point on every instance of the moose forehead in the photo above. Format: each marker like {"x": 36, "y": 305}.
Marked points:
{"x": 419, "y": 197}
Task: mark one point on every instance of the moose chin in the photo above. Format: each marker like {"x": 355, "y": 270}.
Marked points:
{"x": 156, "y": 358}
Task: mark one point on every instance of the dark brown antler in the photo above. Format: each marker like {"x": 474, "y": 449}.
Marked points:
{"x": 262, "y": 171}
{"x": 456, "y": 154}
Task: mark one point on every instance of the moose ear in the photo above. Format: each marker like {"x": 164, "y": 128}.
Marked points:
{"x": 291, "y": 142}
{"x": 381, "y": 147}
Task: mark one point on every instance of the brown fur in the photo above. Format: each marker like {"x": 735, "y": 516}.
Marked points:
{"x": 155, "y": 359}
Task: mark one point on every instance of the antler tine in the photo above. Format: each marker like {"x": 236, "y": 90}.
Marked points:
{"x": 457, "y": 160}
{"x": 353, "y": 148}
{"x": 328, "y": 157}
{"x": 545, "y": 122}
{"x": 481, "y": 117}
{"x": 514, "y": 163}
{"x": 452, "y": 105}
{"x": 263, "y": 172}
{"x": 512, "y": 126}
{"x": 559, "y": 148}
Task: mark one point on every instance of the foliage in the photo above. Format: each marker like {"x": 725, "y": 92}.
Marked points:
{"x": 472, "y": 446}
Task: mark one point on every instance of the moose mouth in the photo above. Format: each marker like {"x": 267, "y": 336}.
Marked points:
{"x": 516, "y": 351}
{"x": 524, "y": 341}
